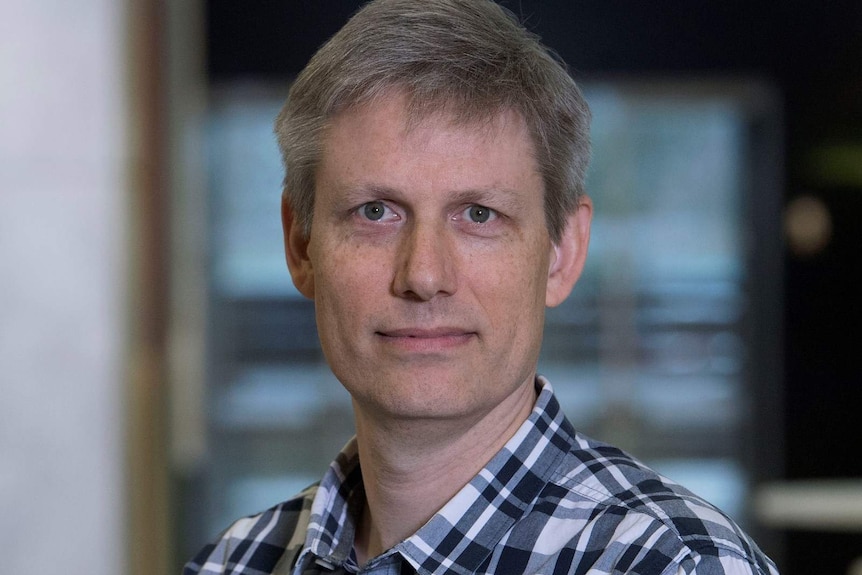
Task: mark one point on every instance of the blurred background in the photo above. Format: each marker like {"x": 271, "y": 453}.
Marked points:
{"x": 161, "y": 376}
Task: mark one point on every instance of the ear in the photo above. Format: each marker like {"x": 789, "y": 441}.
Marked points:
{"x": 296, "y": 250}
{"x": 569, "y": 254}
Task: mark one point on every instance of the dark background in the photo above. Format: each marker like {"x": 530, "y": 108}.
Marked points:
{"x": 810, "y": 51}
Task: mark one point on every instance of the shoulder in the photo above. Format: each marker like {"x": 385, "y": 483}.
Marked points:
{"x": 256, "y": 543}
{"x": 620, "y": 512}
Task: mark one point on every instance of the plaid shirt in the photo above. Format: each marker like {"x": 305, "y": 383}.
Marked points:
{"x": 551, "y": 501}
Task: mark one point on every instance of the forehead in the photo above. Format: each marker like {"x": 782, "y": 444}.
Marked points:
{"x": 460, "y": 109}
{"x": 393, "y": 124}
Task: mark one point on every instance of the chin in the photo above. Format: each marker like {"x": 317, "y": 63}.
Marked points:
{"x": 419, "y": 400}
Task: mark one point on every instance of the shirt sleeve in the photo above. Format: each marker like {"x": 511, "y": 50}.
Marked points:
{"x": 250, "y": 545}
{"x": 722, "y": 563}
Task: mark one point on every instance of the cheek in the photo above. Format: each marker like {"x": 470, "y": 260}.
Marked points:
{"x": 514, "y": 289}
{"x": 339, "y": 307}
{"x": 348, "y": 284}
{"x": 523, "y": 273}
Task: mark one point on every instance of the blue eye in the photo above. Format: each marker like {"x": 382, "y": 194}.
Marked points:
{"x": 479, "y": 214}
{"x": 374, "y": 211}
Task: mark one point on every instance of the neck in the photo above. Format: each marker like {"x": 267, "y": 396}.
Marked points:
{"x": 411, "y": 468}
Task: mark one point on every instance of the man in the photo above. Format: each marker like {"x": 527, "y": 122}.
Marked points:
{"x": 433, "y": 207}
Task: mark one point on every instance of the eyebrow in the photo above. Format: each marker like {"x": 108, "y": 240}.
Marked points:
{"x": 500, "y": 197}
{"x": 506, "y": 199}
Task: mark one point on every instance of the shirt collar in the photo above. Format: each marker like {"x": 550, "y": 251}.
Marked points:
{"x": 337, "y": 504}
{"x": 468, "y": 527}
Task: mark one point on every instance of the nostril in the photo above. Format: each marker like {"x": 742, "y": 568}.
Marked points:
{"x": 426, "y": 268}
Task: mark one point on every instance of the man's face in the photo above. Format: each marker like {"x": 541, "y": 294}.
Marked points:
{"x": 429, "y": 261}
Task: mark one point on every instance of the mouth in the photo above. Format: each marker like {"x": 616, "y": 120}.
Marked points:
{"x": 426, "y": 339}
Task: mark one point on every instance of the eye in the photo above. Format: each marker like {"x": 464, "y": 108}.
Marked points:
{"x": 479, "y": 214}
{"x": 374, "y": 211}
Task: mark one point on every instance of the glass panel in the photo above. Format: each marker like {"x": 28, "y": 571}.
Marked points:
{"x": 277, "y": 414}
{"x": 648, "y": 353}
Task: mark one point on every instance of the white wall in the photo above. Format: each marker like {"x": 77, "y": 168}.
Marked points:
{"x": 62, "y": 275}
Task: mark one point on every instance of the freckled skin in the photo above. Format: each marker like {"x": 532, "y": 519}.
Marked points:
{"x": 426, "y": 313}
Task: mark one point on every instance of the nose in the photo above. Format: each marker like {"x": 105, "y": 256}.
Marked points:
{"x": 426, "y": 264}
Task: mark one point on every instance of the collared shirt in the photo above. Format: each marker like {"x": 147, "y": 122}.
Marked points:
{"x": 552, "y": 501}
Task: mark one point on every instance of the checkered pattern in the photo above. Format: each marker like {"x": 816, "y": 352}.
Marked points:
{"x": 552, "y": 501}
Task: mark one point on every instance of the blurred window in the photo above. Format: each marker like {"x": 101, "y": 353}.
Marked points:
{"x": 651, "y": 351}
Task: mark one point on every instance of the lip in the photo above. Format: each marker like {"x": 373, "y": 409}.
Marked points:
{"x": 425, "y": 339}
